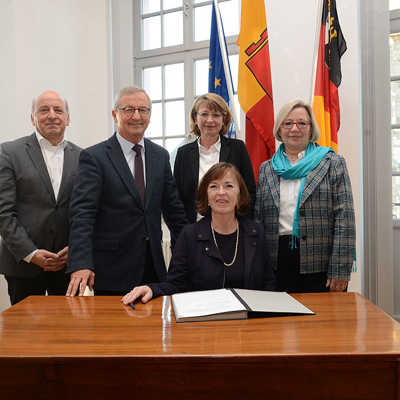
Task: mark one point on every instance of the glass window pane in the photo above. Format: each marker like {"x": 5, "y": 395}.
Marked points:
{"x": 201, "y": 76}
{"x": 230, "y": 14}
{"x": 158, "y": 141}
{"x": 155, "y": 127}
{"x": 175, "y": 118}
{"x": 394, "y": 44}
{"x": 151, "y": 33}
{"x": 202, "y": 23}
{"x": 234, "y": 64}
{"x": 173, "y": 29}
{"x": 396, "y": 196}
{"x": 174, "y": 81}
{"x": 395, "y": 96}
{"x": 150, "y": 6}
{"x": 394, "y": 4}
{"x": 173, "y": 143}
{"x": 167, "y": 4}
{"x": 152, "y": 82}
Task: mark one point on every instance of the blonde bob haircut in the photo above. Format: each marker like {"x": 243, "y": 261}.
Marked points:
{"x": 286, "y": 109}
{"x": 215, "y": 103}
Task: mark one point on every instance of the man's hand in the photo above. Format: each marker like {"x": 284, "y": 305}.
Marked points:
{"x": 144, "y": 292}
{"x": 48, "y": 261}
{"x": 63, "y": 255}
{"x": 79, "y": 280}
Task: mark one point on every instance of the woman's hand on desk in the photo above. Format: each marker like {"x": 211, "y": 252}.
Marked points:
{"x": 336, "y": 285}
{"x": 139, "y": 291}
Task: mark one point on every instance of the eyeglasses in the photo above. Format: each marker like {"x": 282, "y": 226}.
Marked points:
{"x": 128, "y": 112}
{"x": 204, "y": 115}
{"x": 301, "y": 125}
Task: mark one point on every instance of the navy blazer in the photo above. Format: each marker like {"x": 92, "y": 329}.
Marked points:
{"x": 196, "y": 262}
{"x": 110, "y": 227}
{"x": 186, "y": 171}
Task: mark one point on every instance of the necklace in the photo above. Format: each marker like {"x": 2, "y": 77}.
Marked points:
{"x": 236, "y": 246}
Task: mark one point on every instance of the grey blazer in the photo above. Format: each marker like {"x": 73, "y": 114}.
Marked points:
{"x": 30, "y": 215}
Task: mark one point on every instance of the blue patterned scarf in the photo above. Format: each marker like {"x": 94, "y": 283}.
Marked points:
{"x": 281, "y": 165}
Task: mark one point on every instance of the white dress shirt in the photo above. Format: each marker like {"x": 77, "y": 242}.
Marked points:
{"x": 208, "y": 157}
{"x": 130, "y": 154}
{"x": 54, "y": 159}
{"x": 289, "y": 190}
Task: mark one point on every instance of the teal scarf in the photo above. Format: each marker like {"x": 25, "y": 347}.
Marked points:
{"x": 281, "y": 165}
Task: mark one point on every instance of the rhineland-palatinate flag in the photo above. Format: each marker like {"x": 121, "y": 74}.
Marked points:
{"x": 254, "y": 82}
{"x": 328, "y": 76}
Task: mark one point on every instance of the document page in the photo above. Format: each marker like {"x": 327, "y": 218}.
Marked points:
{"x": 205, "y": 302}
{"x": 277, "y": 302}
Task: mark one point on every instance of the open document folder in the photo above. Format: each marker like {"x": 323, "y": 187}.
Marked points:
{"x": 219, "y": 304}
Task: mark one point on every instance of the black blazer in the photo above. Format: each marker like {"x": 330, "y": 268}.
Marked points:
{"x": 30, "y": 216}
{"x": 196, "y": 262}
{"x": 110, "y": 227}
{"x": 186, "y": 171}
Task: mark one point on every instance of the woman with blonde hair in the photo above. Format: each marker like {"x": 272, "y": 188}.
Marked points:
{"x": 304, "y": 200}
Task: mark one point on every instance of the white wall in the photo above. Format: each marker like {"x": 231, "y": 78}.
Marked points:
{"x": 63, "y": 45}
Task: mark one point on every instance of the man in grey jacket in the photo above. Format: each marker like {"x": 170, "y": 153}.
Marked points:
{"x": 36, "y": 178}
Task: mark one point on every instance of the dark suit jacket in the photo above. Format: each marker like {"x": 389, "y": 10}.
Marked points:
{"x": 110, "y": 228}
{"x": 196, "y": 262}
{"x": 186, "y": 171}
{"x": 30, "y": 216}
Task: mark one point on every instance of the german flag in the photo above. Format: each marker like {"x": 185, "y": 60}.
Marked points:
{"x": 328, "y": 76}
{"x": 254, "y": 82}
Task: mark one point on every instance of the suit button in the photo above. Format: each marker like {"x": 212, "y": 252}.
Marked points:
{"x": 206, "y": 249}
{"x": 302, "y": 213}
{"x": 146, "y": 238}
{"x": 254, "y": 231}
{"x": 199, "y": 235}
{"x": 254, "y": 243}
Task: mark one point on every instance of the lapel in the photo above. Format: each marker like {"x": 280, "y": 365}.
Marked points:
{"x": 114, "y": 152}
{"x": 192, "y": 166}
{"x": 35, "y": 154}
{"x": 314, "y": 178}
{"x": 68, "y": 170}
{"x": 273, "y": 184}
{"x": 149, "y": 171}
{"x": 250, "y": 244}
{"x": 225, "y": 149}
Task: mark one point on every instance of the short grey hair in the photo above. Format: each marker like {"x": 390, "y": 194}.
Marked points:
{"x": 286, "y": 109}
{"x": 34, "y": 101}
{"x": 127, "y": 91}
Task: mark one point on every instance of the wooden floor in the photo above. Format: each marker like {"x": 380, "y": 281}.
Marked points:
{"x": 94, "y": 347}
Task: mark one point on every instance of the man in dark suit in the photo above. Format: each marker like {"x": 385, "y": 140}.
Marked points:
{"x": 36, "y": 179}
{"x": 123, "y": 186}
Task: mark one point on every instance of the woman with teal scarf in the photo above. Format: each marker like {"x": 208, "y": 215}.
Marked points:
{"x": 304, "y": 200}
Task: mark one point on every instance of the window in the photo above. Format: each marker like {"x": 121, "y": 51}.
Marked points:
{"x": 171, "y": 42}
{"x": 394, "y": 45}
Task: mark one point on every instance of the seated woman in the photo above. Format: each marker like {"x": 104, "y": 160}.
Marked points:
{"x": 223, "y": 249}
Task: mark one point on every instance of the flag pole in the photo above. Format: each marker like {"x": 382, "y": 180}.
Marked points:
{"x": 316, "y": 48}
{"x": 224, "y": 54}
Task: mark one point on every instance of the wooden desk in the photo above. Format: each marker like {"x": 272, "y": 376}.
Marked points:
{"x": 95, "y": 348}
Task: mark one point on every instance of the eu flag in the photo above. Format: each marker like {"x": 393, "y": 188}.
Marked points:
{"x": 216, "y": 73}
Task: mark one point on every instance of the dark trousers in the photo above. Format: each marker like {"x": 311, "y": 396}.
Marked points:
{"x": 54, "y": 283}
{"x": 289, "y": 278}
{"x": 149, "y": 276}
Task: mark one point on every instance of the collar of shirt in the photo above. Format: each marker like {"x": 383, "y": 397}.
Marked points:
{"x": 44, "y": 143}
{"x": 215, "y": 148}
{"x": 126, "y": 145}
